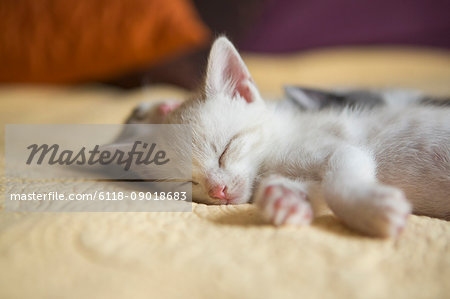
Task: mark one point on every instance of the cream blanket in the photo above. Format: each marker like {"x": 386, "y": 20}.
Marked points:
{"x": 220, "y": 251}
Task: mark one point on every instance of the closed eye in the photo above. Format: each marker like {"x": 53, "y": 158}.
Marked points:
{"x": 189, "y": 182}
{"x": 238, "y": 135}
{"x": 222, "y": 156}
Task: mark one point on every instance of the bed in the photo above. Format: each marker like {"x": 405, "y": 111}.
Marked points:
{"x": 220, "y": 251}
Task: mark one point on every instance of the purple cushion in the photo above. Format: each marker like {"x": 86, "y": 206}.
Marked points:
{"x": 292, "y": 25}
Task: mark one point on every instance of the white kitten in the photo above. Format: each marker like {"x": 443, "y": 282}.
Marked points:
{"x": 364, "y": 164}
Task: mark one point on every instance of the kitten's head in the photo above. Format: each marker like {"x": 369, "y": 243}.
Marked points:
{"x": 227, "y": 129}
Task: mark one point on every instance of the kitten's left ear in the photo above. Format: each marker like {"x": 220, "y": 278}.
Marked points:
{"x": 228, "y": 74}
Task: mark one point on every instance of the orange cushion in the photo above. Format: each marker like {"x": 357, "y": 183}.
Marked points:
{"x": 65, "y": 41}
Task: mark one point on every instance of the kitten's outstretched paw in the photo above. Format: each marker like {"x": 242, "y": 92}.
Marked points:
{"x": 281, "y": 204}
{"x": 152, "y": 113}
{"x": 167, "y": 107}
{"x": 390, "y": 213}
{"x": 383, "y": 212}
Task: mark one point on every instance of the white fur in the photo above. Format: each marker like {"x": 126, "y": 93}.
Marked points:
{"x": 362, "y": 163}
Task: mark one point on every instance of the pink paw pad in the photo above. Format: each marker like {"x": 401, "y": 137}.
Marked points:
{"x": 166, "y": 108}
{"x": 387, "y": 213}
{"x": 282, "y": 205}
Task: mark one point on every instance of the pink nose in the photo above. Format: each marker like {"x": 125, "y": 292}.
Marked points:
{"x": 218, "y": 192}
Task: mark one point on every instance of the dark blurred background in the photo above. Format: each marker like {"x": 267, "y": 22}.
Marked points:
{"x": 130, "y": 43}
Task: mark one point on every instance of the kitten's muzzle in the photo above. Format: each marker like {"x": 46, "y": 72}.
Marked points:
{"x": 219, "y": 192}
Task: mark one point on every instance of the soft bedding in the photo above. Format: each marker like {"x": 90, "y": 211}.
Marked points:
{"x": 219, "y": 251}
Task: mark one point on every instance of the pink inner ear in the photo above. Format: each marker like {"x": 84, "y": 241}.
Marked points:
{"x": 239, "y": 74}
{"x": 244, "y": 91}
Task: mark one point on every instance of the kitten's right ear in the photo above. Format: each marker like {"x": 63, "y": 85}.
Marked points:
{"x": 313, "y": 99}
{"x": 227, "y": 73}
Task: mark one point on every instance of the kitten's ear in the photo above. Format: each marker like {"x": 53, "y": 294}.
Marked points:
{"x": 228, "y": 74}
{"x": 313, "y": 99}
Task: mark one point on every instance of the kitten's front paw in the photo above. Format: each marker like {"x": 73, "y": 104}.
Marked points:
{"x": 283, "y": 204}
{"x": 152, "y": 113}
{"x": 383, "y": 212}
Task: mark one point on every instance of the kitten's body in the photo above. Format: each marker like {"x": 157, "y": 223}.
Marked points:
{"x": 361, "y": 162}
{"x": 410, "y": 147}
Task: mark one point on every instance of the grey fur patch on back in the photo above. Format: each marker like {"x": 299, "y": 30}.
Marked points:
{"x": 436, "y": 101}
{"x": 316, "y": 99}
{"x": 307, "y": 98}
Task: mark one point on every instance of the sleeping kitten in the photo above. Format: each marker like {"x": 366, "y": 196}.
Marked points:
{"x": 371, "y": 167}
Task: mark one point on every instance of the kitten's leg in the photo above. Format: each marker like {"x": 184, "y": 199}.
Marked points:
{"x": 352, "y": 192}
{"x": 283, "y": 201}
